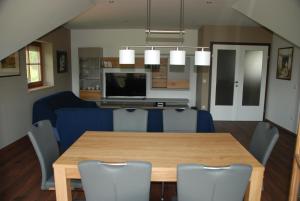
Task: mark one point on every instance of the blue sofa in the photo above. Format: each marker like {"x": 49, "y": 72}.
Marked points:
{"x": 71, "y": 123}
{"x": 44, "y": 108}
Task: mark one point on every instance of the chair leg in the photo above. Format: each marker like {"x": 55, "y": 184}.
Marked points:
{"x": 162, "y": 191}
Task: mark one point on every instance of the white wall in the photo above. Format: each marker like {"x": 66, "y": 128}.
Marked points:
{"x": 279, "y": 16}
{"x": 16, "y": 101}
{"x": 283, "y": 95}
{"x": 22, "y": 22}
{"x": 112, "y": 40}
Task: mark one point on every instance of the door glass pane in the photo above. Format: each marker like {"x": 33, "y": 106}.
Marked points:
{"x": 252, "y": 77}
{"x": 225, "y": 77}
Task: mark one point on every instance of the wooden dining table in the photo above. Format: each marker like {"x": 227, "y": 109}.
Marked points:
{"x": 164, "y": 150}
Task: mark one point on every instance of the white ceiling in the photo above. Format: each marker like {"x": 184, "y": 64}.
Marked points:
{"x": 116, "y": 14}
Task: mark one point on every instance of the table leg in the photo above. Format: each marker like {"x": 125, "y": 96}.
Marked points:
{"x": 62, "y": 185}
{"x": 255, "y": 185}
{"x": 294, "y": 182}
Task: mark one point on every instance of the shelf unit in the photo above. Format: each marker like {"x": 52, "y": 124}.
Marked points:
{"x": 160, "y": 74}
{"x": 113, "y": 62}
{"x": 90, "y": 73}
{"x": 163, "y": 76}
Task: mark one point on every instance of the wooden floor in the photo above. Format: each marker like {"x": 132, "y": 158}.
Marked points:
{"x": 21, "y": 176}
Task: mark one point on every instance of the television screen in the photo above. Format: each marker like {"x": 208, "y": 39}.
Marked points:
{"x": 125, "y": 84}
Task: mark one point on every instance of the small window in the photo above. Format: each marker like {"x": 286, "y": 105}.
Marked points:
{"x": 34, "y": 65}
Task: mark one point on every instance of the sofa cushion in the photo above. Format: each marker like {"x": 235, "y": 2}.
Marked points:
{"x": 73, "y": 122}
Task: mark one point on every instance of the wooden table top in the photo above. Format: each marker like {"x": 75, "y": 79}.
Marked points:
{"x": 164, "y": 150}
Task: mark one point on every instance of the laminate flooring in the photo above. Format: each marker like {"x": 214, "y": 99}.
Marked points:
{"x": 21, "y": 175}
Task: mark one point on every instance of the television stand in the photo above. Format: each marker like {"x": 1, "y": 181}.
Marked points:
{"x": 144, "y": 102}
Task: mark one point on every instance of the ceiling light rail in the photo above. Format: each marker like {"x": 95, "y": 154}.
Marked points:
{"x": 164, "y": 31}
{"x": 177, "y": 53}
{"x": 180, "y": 32}
{"x": 152, "y": 55}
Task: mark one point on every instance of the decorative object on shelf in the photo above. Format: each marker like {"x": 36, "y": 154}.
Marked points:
{"x": 107, "y": 64}
{"x": 284, "y": 63}
{"x": 177, "y": 57}
{"x": 10, "y": 66}
{"x": 62, "y": 61}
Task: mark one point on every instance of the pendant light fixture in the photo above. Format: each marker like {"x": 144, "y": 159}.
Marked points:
{"x": 202, "y": 58}
{"x": 177, "y": 57}
{"x": 152, "y": 57}
{"x": 152, "y": 54}
{"x": 126, "y": 56}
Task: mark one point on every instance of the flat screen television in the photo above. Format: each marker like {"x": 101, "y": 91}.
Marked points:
{"x": 132, "y": 85}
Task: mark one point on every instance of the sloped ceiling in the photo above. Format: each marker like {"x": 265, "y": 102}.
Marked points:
{"x": 124, "y": 14}
{"x": 280, "y": 16}
{"x": 23, "y": 21}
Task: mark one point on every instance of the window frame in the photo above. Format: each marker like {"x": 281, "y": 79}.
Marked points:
{"x": 41, "y": 82}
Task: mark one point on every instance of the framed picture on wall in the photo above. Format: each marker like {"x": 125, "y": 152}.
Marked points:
{"x": 284, "y": 63}
{"x": 62, "y": 61}
{"x": 10, "y": 66}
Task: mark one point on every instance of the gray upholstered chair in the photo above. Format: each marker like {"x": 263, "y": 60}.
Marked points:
{"x": 46, "y": 148}
{"x": 263, "y": 141}
{"x": 116, "y": 182}
{"x": 201, "y": 183}
{"x": 130, "y": 119}
{"x": 180, "y": 120}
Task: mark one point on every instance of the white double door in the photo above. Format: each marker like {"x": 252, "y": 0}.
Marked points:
{"x": 238, "y": 82}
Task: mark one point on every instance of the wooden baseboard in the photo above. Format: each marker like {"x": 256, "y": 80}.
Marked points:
{"x": 280, "y": 127}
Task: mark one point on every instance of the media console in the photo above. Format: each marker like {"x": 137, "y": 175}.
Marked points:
{"x": 144, "y": 102}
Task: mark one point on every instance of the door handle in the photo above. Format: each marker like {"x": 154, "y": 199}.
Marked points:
{"x": 236, "y": 82}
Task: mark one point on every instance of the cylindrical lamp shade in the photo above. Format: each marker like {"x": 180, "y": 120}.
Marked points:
{"x": 152, "y": 57}
{"x": 126, "y": 56}
{"x": 202, "y": 58}
{"x": 177, "y": 57}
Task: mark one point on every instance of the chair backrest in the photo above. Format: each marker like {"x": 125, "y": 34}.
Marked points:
{"x": 130, "y": 120}
{"x": 263, "y": 141}
{"x": 115, "y": 182}
{"x": 201, "y": 183}
{"x": 44, "y": 143}
{"x": 180, "y": 120}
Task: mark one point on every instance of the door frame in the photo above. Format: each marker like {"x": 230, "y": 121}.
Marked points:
{"x": 212, "y": 43}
